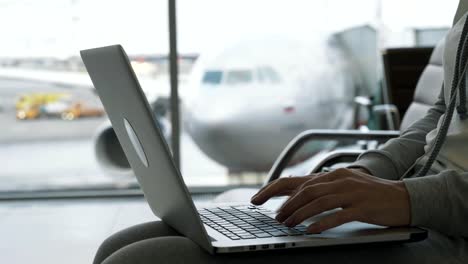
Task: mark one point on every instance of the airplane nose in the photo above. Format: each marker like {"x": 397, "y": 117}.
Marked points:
{"x": 223, "y": 141}
{"x": 239, "y": 132}
{"x": 238, "y": 141}
{"x": 212, "y": 128}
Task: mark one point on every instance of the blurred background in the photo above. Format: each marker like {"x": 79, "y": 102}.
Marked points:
{"x": 252, "y": 75}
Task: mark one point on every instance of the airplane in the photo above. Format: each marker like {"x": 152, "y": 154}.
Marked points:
{"x": 249, "y": 100}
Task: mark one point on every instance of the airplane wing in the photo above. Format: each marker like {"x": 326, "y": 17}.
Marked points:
{"x": 153, "y": 87}
{"x": 64, "y": 78}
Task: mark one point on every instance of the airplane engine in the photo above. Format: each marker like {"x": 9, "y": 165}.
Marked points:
{"x": 109, "y": 154}
{"x": 108, "y": 151}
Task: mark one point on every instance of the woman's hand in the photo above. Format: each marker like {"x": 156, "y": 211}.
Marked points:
{"x": 361, "y": 196}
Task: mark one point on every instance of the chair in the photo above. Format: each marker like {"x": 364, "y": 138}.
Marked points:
{"x": 425, "y": 95}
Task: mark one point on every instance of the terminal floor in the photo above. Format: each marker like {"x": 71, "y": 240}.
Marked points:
{"x": 64, "y": 231}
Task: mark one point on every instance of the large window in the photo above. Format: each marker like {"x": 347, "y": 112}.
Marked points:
{"x": 50, "y": 114}
{"x": 252, "y": 75}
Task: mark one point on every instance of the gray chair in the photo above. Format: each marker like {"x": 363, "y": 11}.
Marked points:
{"x": 425, "y": 95}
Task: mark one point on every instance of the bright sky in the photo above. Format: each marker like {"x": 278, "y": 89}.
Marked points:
{"x": 60, "y": 28}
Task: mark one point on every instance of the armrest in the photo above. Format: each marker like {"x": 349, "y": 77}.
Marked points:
{"x": 283, "y": 159}
{"x": 391, "y": 114}
{"x": 334, "y": 157}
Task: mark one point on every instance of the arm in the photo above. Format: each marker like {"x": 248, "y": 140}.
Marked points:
{"x": 397, "y": 155}
{"x": 436, "y": 202}
{"x": 439, "y": 202}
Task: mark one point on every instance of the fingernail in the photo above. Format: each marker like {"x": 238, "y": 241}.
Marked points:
{"x": 280, "y": 217}
{"x": 281, "y": 208}
{"x": 254, "y": 198}
{"x": 289, "y": 222}
{"x": 314, "y": 228}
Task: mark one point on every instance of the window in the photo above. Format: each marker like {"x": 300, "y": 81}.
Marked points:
{"x": 212, "y": 77}
{"x": 50, "y": 114}
{"x": 234, "y": 77}
{"x": 267, "y": 74}
{"x": 55, "y": 134}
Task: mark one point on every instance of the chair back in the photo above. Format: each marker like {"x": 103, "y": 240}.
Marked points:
{"x": 413, "y": 78}
{"x": 427, "y": 89}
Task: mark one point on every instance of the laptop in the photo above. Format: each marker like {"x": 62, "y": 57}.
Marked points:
{"x": 222, "y": 228}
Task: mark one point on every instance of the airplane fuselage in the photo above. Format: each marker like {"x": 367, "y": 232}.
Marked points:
{"x": 243, "y": 119}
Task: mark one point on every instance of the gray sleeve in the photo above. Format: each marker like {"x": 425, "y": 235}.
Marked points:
{"x": 438, "y": 202}
{"x": 461, "y": 10}
{"x": 393, "y": 158}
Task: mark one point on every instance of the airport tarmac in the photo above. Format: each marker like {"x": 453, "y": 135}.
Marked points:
{"x": 13, "y": 130}
{"x": 71, "y": 164}
{"x": 50, "y": 153}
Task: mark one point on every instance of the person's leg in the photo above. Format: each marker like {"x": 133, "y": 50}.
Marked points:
{"x": 131, "y": 235}
{"x": 177, "y": 249}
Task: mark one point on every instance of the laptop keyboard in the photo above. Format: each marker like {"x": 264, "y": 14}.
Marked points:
{"x": 246, "y": 222}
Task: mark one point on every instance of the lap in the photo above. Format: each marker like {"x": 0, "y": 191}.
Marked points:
{"x": 155, "y": 242}
{"x": 132, "y": 235}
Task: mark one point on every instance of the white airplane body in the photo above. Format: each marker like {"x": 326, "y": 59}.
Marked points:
{"x": 248, "y": 101}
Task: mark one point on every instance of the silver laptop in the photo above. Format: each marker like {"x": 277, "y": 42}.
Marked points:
{"x": 219, "y": 228}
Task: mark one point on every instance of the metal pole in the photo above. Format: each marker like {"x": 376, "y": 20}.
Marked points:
{"x": 173, "y": 62}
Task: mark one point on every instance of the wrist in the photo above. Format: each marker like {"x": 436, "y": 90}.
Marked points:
{"x": 362, "y": 170}
{"x": 403, "y": 201}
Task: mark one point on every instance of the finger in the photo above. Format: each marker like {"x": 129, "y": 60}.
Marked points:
{"x": 318, "y": 206}
{"x": 272, "y": 187}
{"x": 330, "y": 221}
{"x": 308, "y": 195}
{"x": 276, "y": 188}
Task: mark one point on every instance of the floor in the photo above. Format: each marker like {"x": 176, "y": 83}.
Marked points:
{"x": 64, "y": 231}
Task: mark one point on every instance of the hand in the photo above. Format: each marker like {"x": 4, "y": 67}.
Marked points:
{"x": 361, "y": 197}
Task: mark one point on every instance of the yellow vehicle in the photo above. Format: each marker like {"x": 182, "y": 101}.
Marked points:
{"x": 29, "y": 106}
{"x": 28, "y": 112}
{"x": 79, "y": 109}
{"x": 38, "y": 98}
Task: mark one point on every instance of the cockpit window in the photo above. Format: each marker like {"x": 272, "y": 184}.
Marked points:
{"x": 267, "y": 74}
{"x": 239, "y": 77}
{"x": 212, "y": 77}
